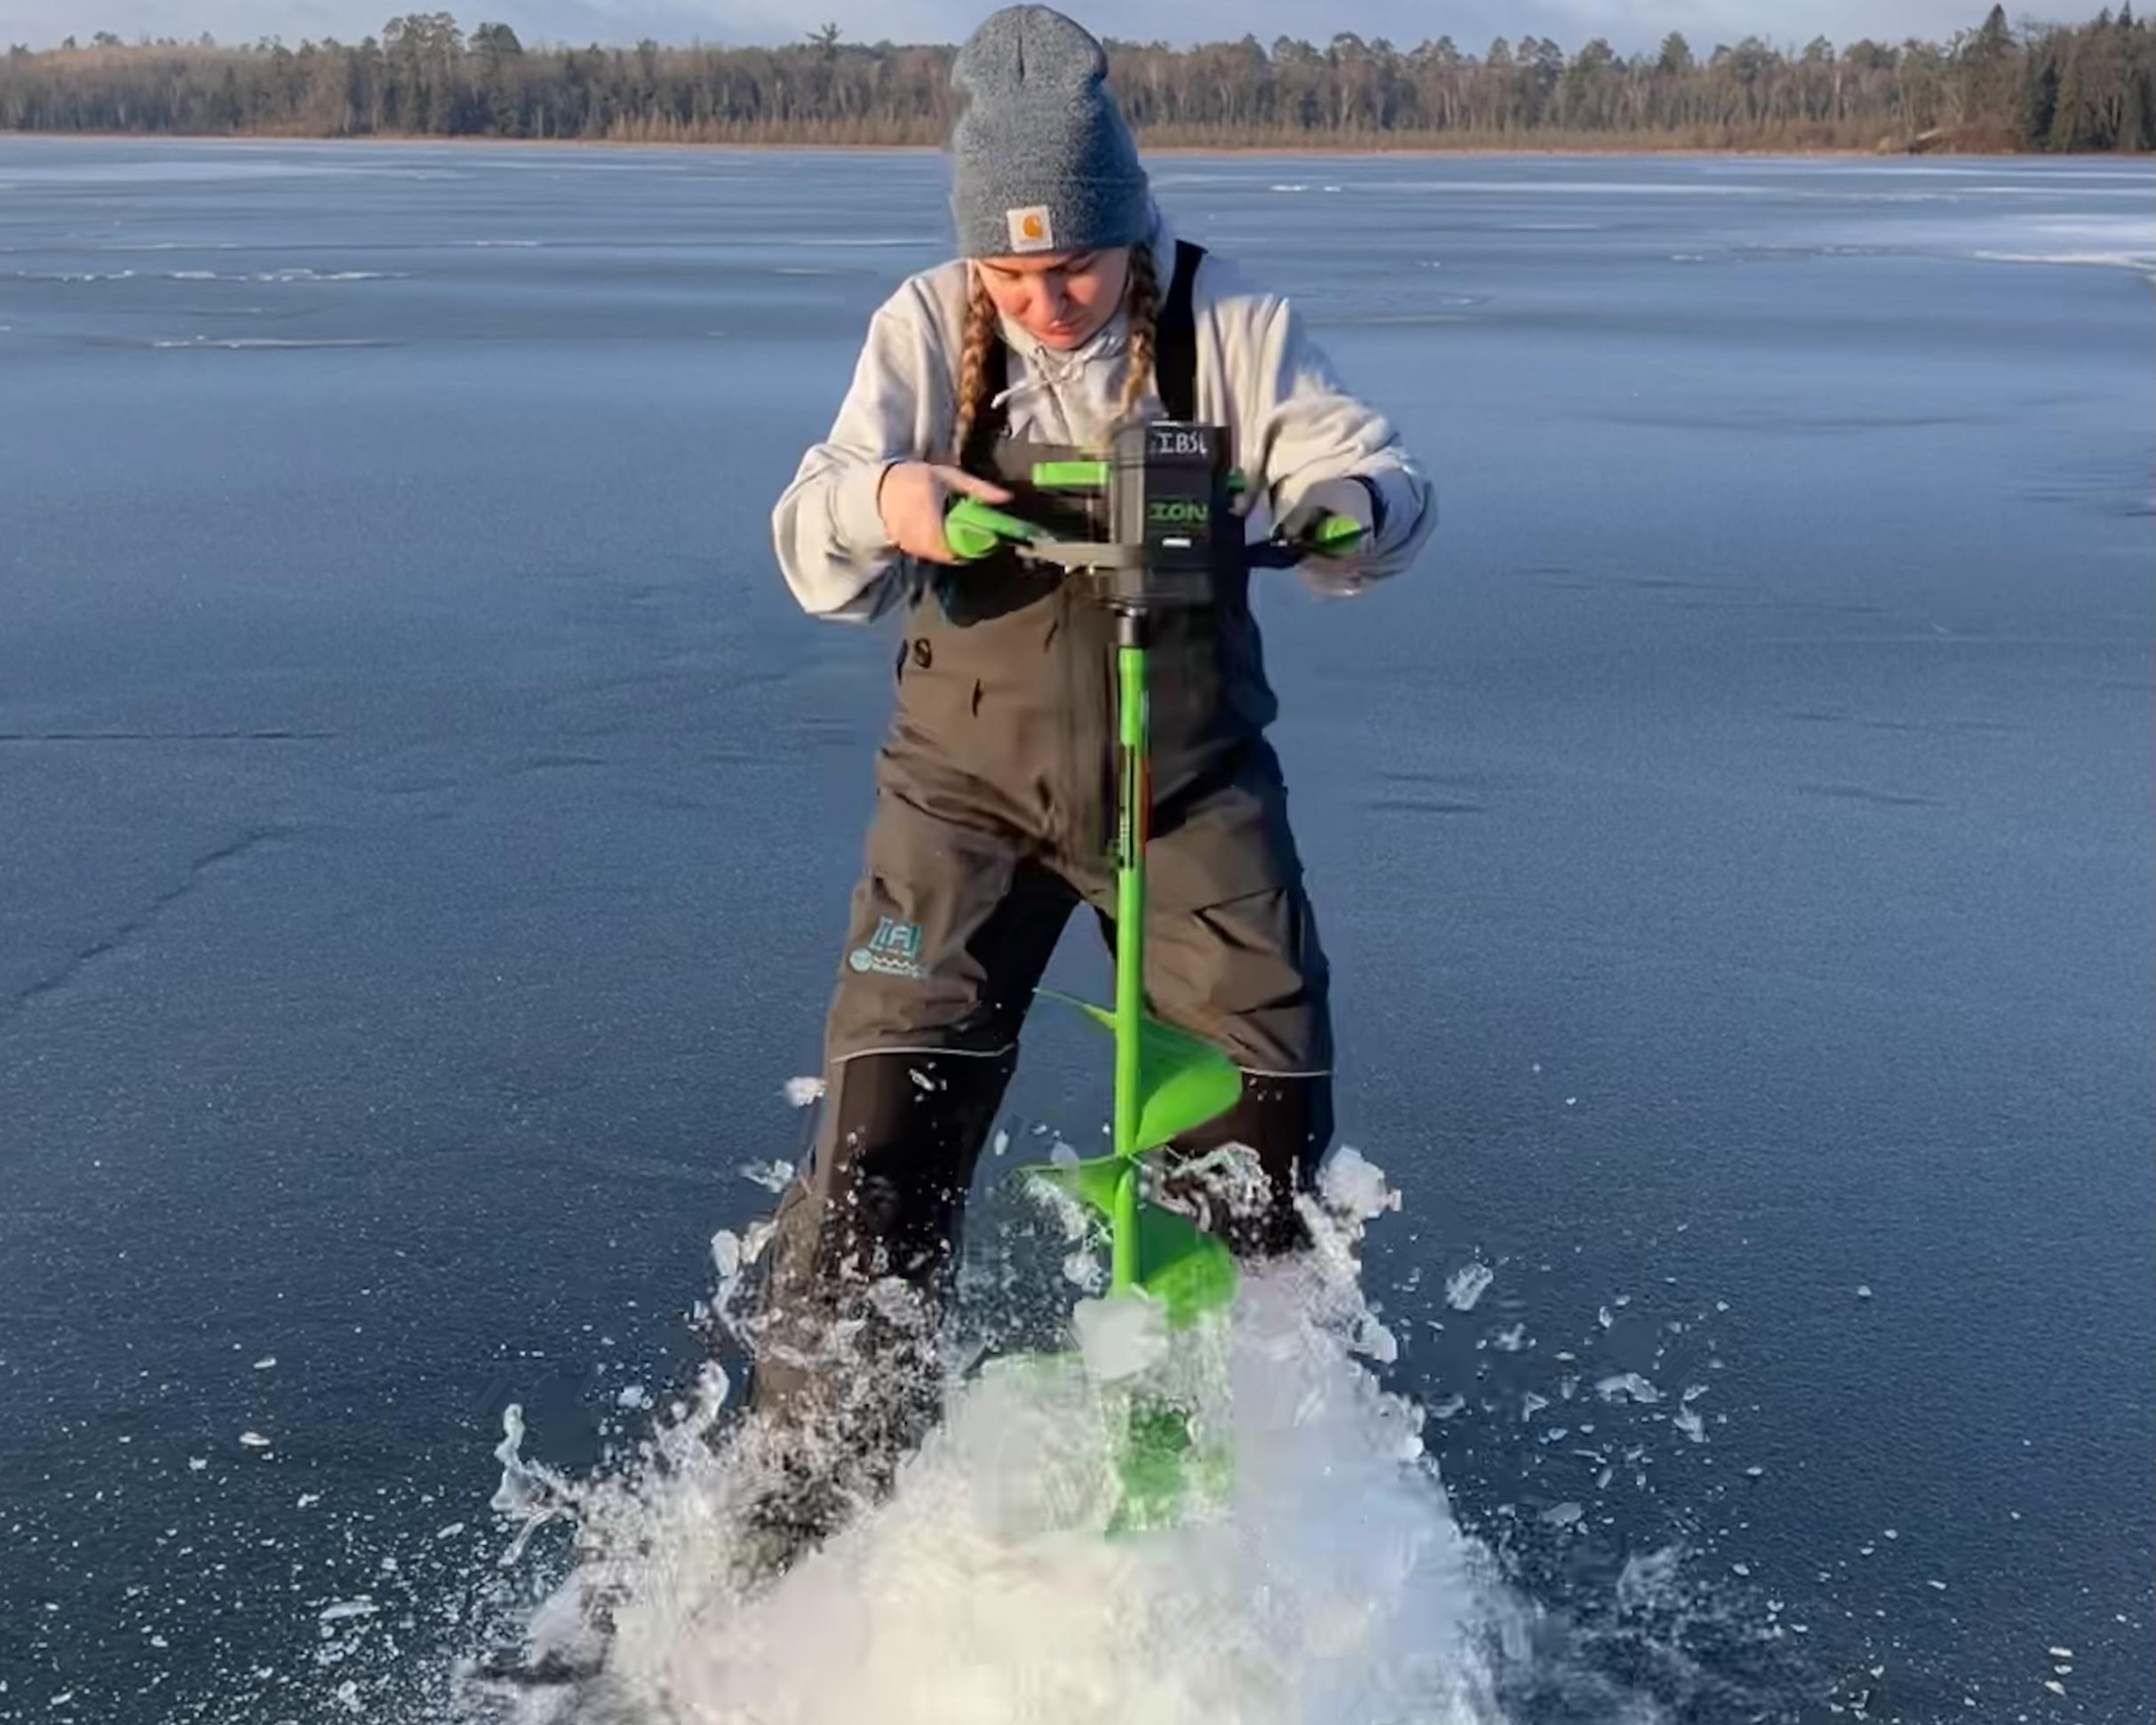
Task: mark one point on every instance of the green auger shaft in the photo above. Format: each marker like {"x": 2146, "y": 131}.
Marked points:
{"x": 1131, "y": 834}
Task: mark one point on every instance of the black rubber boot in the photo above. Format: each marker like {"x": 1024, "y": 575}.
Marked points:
{"x": 846, "y": 1379}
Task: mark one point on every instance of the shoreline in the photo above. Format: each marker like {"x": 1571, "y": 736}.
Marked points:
{"x": 1420, "y": 149}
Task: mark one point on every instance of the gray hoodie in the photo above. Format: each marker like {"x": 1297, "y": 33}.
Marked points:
{"x": 1258, "y": 373}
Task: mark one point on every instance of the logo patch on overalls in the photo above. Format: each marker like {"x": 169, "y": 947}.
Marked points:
{"x": 1030, "y": 229}
{"x": 894, "y": 949}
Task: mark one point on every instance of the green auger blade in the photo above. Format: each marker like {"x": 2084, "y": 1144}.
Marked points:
{"x": 1091, "y": 1181}
{"x": 1153, "y": 1468}
{"x": 1164, "y": 1468}
{"x": 1191, "y": 1273}
{"x": 1188, "y": 1270}
{"x": 1185, "y": 1080}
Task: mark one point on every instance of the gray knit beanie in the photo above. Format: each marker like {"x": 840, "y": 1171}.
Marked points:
{"x": 1041, "y": 157}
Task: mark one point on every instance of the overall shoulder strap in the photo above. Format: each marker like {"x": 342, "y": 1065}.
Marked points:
{"x": 1175, "y": 336}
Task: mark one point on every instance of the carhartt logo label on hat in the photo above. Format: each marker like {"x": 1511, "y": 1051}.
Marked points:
{"x": 1030, "y": 229}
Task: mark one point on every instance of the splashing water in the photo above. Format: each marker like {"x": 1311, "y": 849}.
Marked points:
{"x": 1329, "y": 1584}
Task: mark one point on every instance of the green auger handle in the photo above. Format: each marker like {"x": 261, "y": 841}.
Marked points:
{"x": 1334, "y": 535}
{"x": 973, "y": 529}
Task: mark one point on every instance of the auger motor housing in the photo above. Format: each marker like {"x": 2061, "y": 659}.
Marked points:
{"x": 1171, "y": 496}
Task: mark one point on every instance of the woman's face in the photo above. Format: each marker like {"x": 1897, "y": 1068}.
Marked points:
{"x": 1061, "y": 298}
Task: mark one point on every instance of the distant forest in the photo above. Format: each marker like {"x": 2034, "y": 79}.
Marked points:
{"x": 1995, "y": 87}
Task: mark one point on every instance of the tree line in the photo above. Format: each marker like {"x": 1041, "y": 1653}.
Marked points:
{"x": 1994, "y": 87}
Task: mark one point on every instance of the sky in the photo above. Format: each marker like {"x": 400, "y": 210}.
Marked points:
{"x": 1629, "y": 26}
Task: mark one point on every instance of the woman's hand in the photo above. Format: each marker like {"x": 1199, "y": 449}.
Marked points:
{"x": 1351, "y": 500}
{"x": 911, "y": 499}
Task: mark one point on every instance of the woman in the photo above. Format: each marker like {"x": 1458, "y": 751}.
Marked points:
{"x": 1070, "y": 309}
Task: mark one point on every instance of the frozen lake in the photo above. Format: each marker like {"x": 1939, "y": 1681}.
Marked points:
{"x": 426, "y": 825}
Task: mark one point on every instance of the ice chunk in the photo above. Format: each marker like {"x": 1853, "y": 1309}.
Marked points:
{"x": 266, "y": 1362}
{"x": 1375, "y": 1340}
{"x": 1353, "y": 1184}
{"x": 1121, "y": 1335}
{"x": 1564, "y": 1515}
{"x": 1626, "y": 1384}
{"x": 1647, "y": 1580}
{"x": 1463, "y": 1288}
{"x": 1690, "y": 1423}
{"x": 254, "y": 1440}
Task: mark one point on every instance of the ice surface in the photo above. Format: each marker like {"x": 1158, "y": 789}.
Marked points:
{"x": 552, "y": 876}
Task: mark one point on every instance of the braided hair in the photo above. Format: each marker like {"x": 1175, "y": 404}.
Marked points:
{"x": 973, "y": 359}
{"x": 1142, "y": 302}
